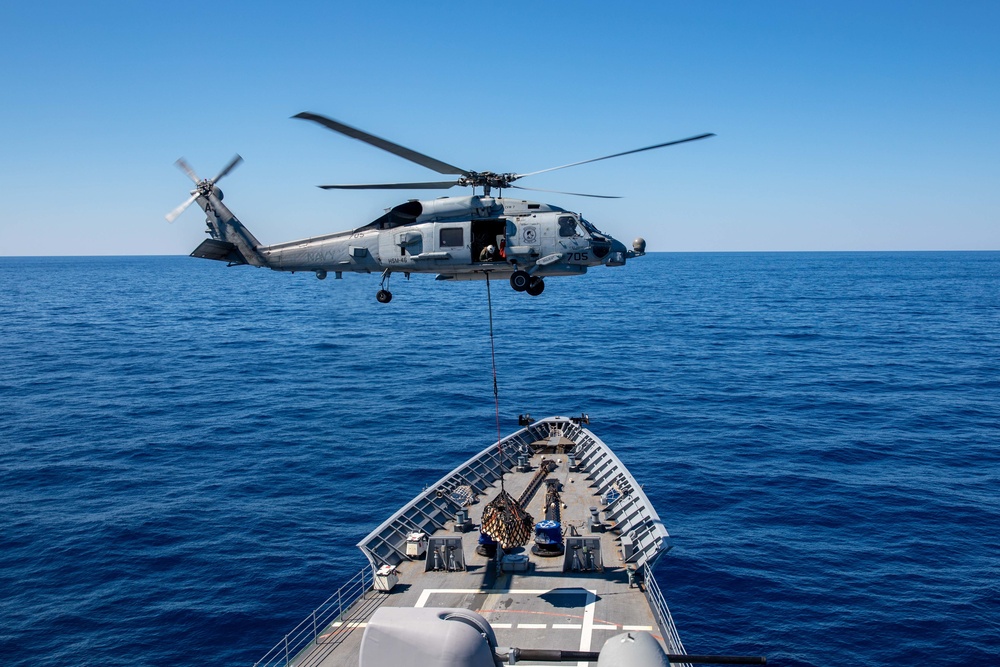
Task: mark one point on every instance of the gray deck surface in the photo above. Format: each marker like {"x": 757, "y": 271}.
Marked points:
{"x": 541, "y": 608}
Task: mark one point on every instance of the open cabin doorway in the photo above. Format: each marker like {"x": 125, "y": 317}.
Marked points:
{"x": 487, "y": 232}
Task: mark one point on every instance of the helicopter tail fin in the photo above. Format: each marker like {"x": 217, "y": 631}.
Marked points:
{"x": 231, "y": 241}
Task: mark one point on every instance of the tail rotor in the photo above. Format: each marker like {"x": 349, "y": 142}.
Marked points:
{"x": 203, "y": 188}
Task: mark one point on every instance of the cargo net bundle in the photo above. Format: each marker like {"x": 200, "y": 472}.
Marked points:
{"x": 507, "y": 522}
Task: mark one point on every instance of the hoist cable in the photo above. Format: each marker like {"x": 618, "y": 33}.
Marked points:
{"x": 496, "y": 390}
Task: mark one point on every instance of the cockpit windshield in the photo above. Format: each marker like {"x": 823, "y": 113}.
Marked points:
{"x": 590, "y": 227}
{"x": 573, "y": 226}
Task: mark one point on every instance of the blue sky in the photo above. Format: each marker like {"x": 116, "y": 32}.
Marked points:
{"x": 841, "y": 126}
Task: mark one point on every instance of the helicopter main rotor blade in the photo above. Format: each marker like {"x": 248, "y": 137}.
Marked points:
{"x": 174, "y": 214}
{"x": 430, "y": 185}
{"x": 186, "y": 168}
{"x": 560, "y": 192}
{"x": 228, "y": 168}
{"x": 608, "y": 157}
{"x": 401, "y": 151}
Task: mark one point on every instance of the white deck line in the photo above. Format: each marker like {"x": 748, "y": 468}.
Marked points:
{"x": 427, "y": 592}
{"x": 587, "y": 631}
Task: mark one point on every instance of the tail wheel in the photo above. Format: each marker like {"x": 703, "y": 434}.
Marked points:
{"x": 536, "y": 287}
{"x": 384, "y": 296}
{"x": 520, "y": 280}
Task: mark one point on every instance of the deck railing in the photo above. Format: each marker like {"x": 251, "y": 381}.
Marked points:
{"x": 662, "y": 612}
{"x": 306, "y": 632}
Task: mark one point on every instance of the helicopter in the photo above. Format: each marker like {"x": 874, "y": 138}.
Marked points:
{"x": 458, "y": 238}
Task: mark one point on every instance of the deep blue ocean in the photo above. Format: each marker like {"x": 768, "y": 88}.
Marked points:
{"x": 190, "y": 452}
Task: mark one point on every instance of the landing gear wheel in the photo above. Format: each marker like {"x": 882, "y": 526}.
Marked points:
{"x": 536, "y": 287}
{"x": 384, "y": 295}
{"x": 520, "y": 280}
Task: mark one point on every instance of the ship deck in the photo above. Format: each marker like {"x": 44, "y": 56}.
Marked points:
{"x": 553, "y": 603}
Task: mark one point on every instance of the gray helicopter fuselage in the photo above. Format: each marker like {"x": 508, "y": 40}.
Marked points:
{"x": 447, "y": 236}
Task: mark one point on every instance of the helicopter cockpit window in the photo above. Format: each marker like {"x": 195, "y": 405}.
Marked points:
{"x": 567, "y": 227}
{"x": 589, "y": 226}
{"x": 452, "y": 237}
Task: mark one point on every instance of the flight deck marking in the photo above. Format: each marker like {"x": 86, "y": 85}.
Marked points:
{"x": 427, "y": 592}
{"x": 588, "y": 624}
{"x": 340, "y": 626}
{"x": 586, "y": 630}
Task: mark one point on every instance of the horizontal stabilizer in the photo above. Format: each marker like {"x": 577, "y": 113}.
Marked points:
{"x": 224, "y": 251}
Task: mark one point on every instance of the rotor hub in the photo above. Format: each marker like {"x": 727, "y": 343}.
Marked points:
{"x": 487, "y": 179}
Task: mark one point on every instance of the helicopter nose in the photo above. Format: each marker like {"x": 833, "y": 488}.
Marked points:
{"x": 618, "y": 253}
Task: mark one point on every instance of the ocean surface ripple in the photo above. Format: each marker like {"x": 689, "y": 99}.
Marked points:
{"x": 189, "y": 453}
